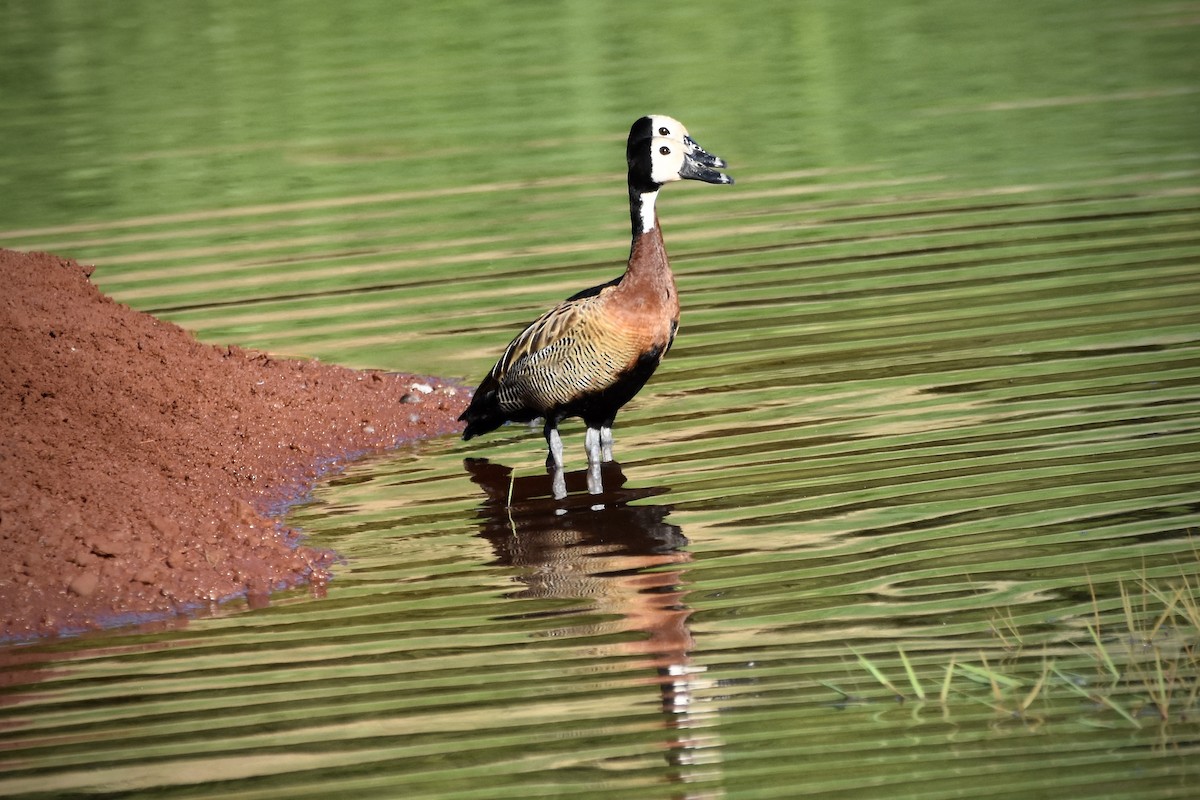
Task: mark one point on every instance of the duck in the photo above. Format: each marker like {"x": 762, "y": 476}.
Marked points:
{"x": 592, "y": 353}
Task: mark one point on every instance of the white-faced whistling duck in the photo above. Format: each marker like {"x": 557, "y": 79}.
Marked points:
{"x": 589, "y": 355}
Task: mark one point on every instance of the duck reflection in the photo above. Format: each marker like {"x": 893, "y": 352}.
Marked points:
{"x": 617, "y": 556}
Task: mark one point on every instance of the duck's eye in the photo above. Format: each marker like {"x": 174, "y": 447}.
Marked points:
{"x": 664, "y": 150}
{"x": 664, "y": 131}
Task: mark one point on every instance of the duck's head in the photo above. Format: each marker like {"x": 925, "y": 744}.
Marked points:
{"x": 659, "y": 160}
{"x": 654, "y": 125}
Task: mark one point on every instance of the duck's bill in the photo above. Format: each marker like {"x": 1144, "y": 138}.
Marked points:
{"x": 703, "y": 156}
{"x": 697, "y": 169}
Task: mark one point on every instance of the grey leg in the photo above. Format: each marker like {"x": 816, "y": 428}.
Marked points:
{"x": 554, "y": 461}
{"x": 592, "y": 442}
{"x": 606, "y": 442}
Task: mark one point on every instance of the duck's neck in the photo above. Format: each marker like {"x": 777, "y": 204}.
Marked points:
{"x": 641, "y": 210}
{"x": 648, "y": 264}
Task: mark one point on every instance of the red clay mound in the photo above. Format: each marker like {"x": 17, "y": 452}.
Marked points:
{"x": 137, "y": 464}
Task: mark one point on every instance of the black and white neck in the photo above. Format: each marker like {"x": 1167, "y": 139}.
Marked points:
{"x": 642, "y": 212}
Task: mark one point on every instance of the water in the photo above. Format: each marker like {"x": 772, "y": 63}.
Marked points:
{"x": 932, "y": 410}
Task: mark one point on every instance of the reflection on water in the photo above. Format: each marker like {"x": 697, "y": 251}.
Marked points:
{"x": 624, "y": 560}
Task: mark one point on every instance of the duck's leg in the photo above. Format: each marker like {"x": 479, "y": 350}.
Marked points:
{"x": 606, "y": 442}
{"x": 554, "y": 460}
{"x": 592, "y": 442}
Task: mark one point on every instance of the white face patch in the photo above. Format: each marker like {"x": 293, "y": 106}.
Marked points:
{"x": 666, "y": 159}
{"x": 668, "y": 127}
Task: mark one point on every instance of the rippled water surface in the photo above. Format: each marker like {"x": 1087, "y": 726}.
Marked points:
{"x": 909, "y": 511}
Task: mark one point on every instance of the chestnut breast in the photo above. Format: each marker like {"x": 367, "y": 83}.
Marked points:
{"x": 587, "y": 344}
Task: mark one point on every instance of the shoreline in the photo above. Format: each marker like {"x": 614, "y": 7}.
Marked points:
{"x": 144, "y": 474}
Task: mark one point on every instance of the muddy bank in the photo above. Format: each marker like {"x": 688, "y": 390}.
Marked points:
{"x": 137, "y": 465}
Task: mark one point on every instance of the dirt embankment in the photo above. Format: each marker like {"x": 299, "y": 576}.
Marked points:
{"x": 138, "y": 466}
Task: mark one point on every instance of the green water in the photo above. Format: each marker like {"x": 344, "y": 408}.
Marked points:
{"x": 933, "y": 410}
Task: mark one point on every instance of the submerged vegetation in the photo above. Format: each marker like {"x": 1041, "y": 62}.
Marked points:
{"x": 1138, "y": 665}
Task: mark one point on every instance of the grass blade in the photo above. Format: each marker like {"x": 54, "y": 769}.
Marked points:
{"x": 876, "y": 672}
{"x": 912, "y": 676}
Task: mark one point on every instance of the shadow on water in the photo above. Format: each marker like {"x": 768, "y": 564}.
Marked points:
{"x": 624, "y": 559}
